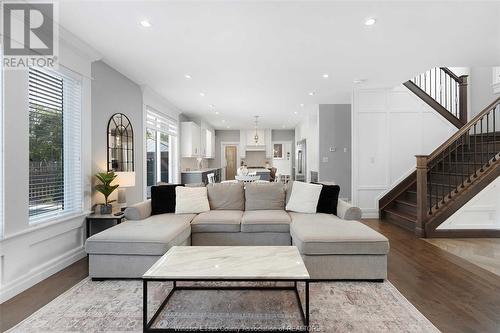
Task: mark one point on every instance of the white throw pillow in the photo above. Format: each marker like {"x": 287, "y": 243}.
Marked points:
{"x": 304, "y": 198}
{"x": 191, "y": 200}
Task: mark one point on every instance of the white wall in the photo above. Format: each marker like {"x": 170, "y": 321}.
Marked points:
{"x": 481, "y": 212}
{"x": 308, "y": 129}
{"x": 389, "y": 127}
{"x": 31, "y": 253}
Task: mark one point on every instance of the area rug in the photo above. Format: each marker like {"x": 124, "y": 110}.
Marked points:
{"x": 116, "y": 306}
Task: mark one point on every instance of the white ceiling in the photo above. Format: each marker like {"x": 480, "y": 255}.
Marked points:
{"x": 262, "y": 58}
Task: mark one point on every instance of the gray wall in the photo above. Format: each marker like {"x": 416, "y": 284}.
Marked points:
{"x": 480, "y": 89}
{"x": 114, "y": 93}
{"x": 222, "y": 136}
{"x": 335, "y": 131}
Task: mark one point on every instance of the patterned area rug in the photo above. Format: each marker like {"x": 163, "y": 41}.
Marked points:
{"x": 116, "y": 306}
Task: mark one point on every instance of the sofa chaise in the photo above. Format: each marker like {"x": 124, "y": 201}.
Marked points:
{"x": 333, "y": 247}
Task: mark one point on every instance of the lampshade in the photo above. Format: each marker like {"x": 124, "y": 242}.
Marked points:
{"x": 125, "y": 179}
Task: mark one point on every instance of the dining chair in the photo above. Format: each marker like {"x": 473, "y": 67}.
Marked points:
{"x": 211, "y": 178}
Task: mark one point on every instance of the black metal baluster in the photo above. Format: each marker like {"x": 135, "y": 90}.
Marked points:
{"x": 456, "y": 166}
{"x": 488, "y": 139}
{"x": 482, "y": 144}
{"x": 429, "y": 174}
{"x": 474, "y": 151}
{"x": 443, "y": 194}
{"x": 449, "y": 173}
{"x": 495, "y": 150}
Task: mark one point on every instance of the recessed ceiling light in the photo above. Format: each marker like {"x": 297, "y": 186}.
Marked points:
{"x": 296, "y": 112}
{"x": 187, "y": 76}
{"x": 145, "y": 24}
{"x": 311, "y": 93}
{"x": 202, "y": 94}
{"x": 216, "y": 112}
{"x": 223, "y": 120}
{"x": 325, "y": 76}
{"x": 228, "y": 126}
{"x": 301, "y": 105}
{"x": 211, "y": 106}
{"x": 370, "y": 21}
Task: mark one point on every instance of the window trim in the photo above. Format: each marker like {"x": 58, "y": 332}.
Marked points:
{"x": 174, "y": 146}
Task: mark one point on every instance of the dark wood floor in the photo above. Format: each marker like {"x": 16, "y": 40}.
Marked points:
{"x": 452, "y": 293}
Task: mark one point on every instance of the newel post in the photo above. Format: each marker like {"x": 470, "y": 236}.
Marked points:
{"x": 422, "y": 210}
{"x": 462, "y": 95}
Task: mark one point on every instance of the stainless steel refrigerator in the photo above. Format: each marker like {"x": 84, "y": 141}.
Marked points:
{"x": 301, "y": 161}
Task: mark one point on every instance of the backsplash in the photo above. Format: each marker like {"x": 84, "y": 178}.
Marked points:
{"x": 192, "y": 164}
{"x": 256, "y": 158}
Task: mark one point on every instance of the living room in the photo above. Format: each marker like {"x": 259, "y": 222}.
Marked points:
{"x": 250, "y": 166}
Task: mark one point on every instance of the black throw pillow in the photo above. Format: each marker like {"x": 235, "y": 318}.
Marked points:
{"x": 328, "y": 199}
{"x": 163, "y": 199}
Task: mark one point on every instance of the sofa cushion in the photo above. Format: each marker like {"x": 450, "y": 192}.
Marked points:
{"x": 191, "y": 200}
{"x": 226, "y": 196}
{"x": 264, "y": 196}
{"x": 163, "y": 198}
{"x": 217, "y": 221}
{"x": 151, "y": 236}
{"x": 317, "y": 234}
{"x": 265, "y": 221}
{"x": 304, "y": 198}
{"x": 328, "y": 199}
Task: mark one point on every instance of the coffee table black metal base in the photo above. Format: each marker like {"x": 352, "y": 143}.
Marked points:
{"x": 147, "y": 324}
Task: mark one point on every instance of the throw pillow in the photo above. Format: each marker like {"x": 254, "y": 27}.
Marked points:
{"x": 328, "y": 199}
{"x": 163, "y": 198}
{"x": 304, "y": 197}
{"x": 191, "y": 200}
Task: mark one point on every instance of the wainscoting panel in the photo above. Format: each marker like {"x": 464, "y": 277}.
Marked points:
{"x": 390, "y": 126}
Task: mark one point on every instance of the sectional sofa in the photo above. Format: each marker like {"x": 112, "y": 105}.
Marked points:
{"x": 333, "y": 247}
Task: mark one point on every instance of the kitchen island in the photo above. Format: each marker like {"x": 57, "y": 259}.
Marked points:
{"x": 265, "y": 174}
{"x": 200, "y": 175}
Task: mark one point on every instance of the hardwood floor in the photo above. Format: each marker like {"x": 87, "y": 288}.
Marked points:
{"x": 484, "y": 252}
{"x": 23, "y": 305}
{"x": 454, "y": 294}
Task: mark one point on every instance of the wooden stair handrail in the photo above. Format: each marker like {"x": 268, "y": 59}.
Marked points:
{"x": 462, "y": 130}
{"x": 458, "y": 79}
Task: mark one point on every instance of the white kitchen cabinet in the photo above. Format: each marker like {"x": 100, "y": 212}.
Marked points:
{"x": 243, "y": 144}
{"x": 269, "y": 145}
{"x": 190, "y": 139}
{"x": 208, "y": 150}
{"x": 496, "y": 80}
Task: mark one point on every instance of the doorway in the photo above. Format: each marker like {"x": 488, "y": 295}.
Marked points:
{"x": 231, "y": 161}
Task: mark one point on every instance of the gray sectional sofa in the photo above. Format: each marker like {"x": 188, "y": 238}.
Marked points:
{"x": 333, "y": 247}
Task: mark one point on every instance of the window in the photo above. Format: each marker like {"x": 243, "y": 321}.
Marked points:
{"x": 161, "y": 143}
{"x": 55, "y": 174}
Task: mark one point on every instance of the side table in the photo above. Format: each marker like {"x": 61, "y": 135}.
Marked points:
{"x": 94, "y": 218}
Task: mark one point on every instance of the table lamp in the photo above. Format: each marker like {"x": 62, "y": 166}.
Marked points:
{"x": 124, "y": 179}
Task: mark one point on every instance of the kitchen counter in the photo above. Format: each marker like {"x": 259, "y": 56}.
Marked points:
{"x": 200, "y": 170}
{"x": 259, "y": 170}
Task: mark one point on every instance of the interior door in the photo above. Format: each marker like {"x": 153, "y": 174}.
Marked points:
{"x": 231, "y": 161}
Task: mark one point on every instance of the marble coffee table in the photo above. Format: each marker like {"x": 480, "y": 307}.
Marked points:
{"x": 229, "y": 263}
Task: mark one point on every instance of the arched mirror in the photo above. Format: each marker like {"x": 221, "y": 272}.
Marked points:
{"x": 120, "y": 143}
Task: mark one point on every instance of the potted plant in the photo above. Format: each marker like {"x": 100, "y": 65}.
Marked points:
{"x": 106, "y": 189}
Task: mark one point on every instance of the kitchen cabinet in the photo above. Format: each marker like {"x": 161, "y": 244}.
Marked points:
{"x": 197, "y": 141}
{"x": 243, "y": 144}
{"x": 190, "y": 139}
{"x": 496, "y": 80}
{"x": 269, "y": 145}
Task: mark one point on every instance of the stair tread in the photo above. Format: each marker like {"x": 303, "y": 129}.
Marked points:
{"x": 406, "y": 202}
{"x": 404, "y": 215}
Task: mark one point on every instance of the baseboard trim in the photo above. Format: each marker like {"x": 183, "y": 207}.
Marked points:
{"x": 40, "y": 273}
{"x": 370, "y": 213}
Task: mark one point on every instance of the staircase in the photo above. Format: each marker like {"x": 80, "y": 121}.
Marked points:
{"x": 456, "y": 171}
